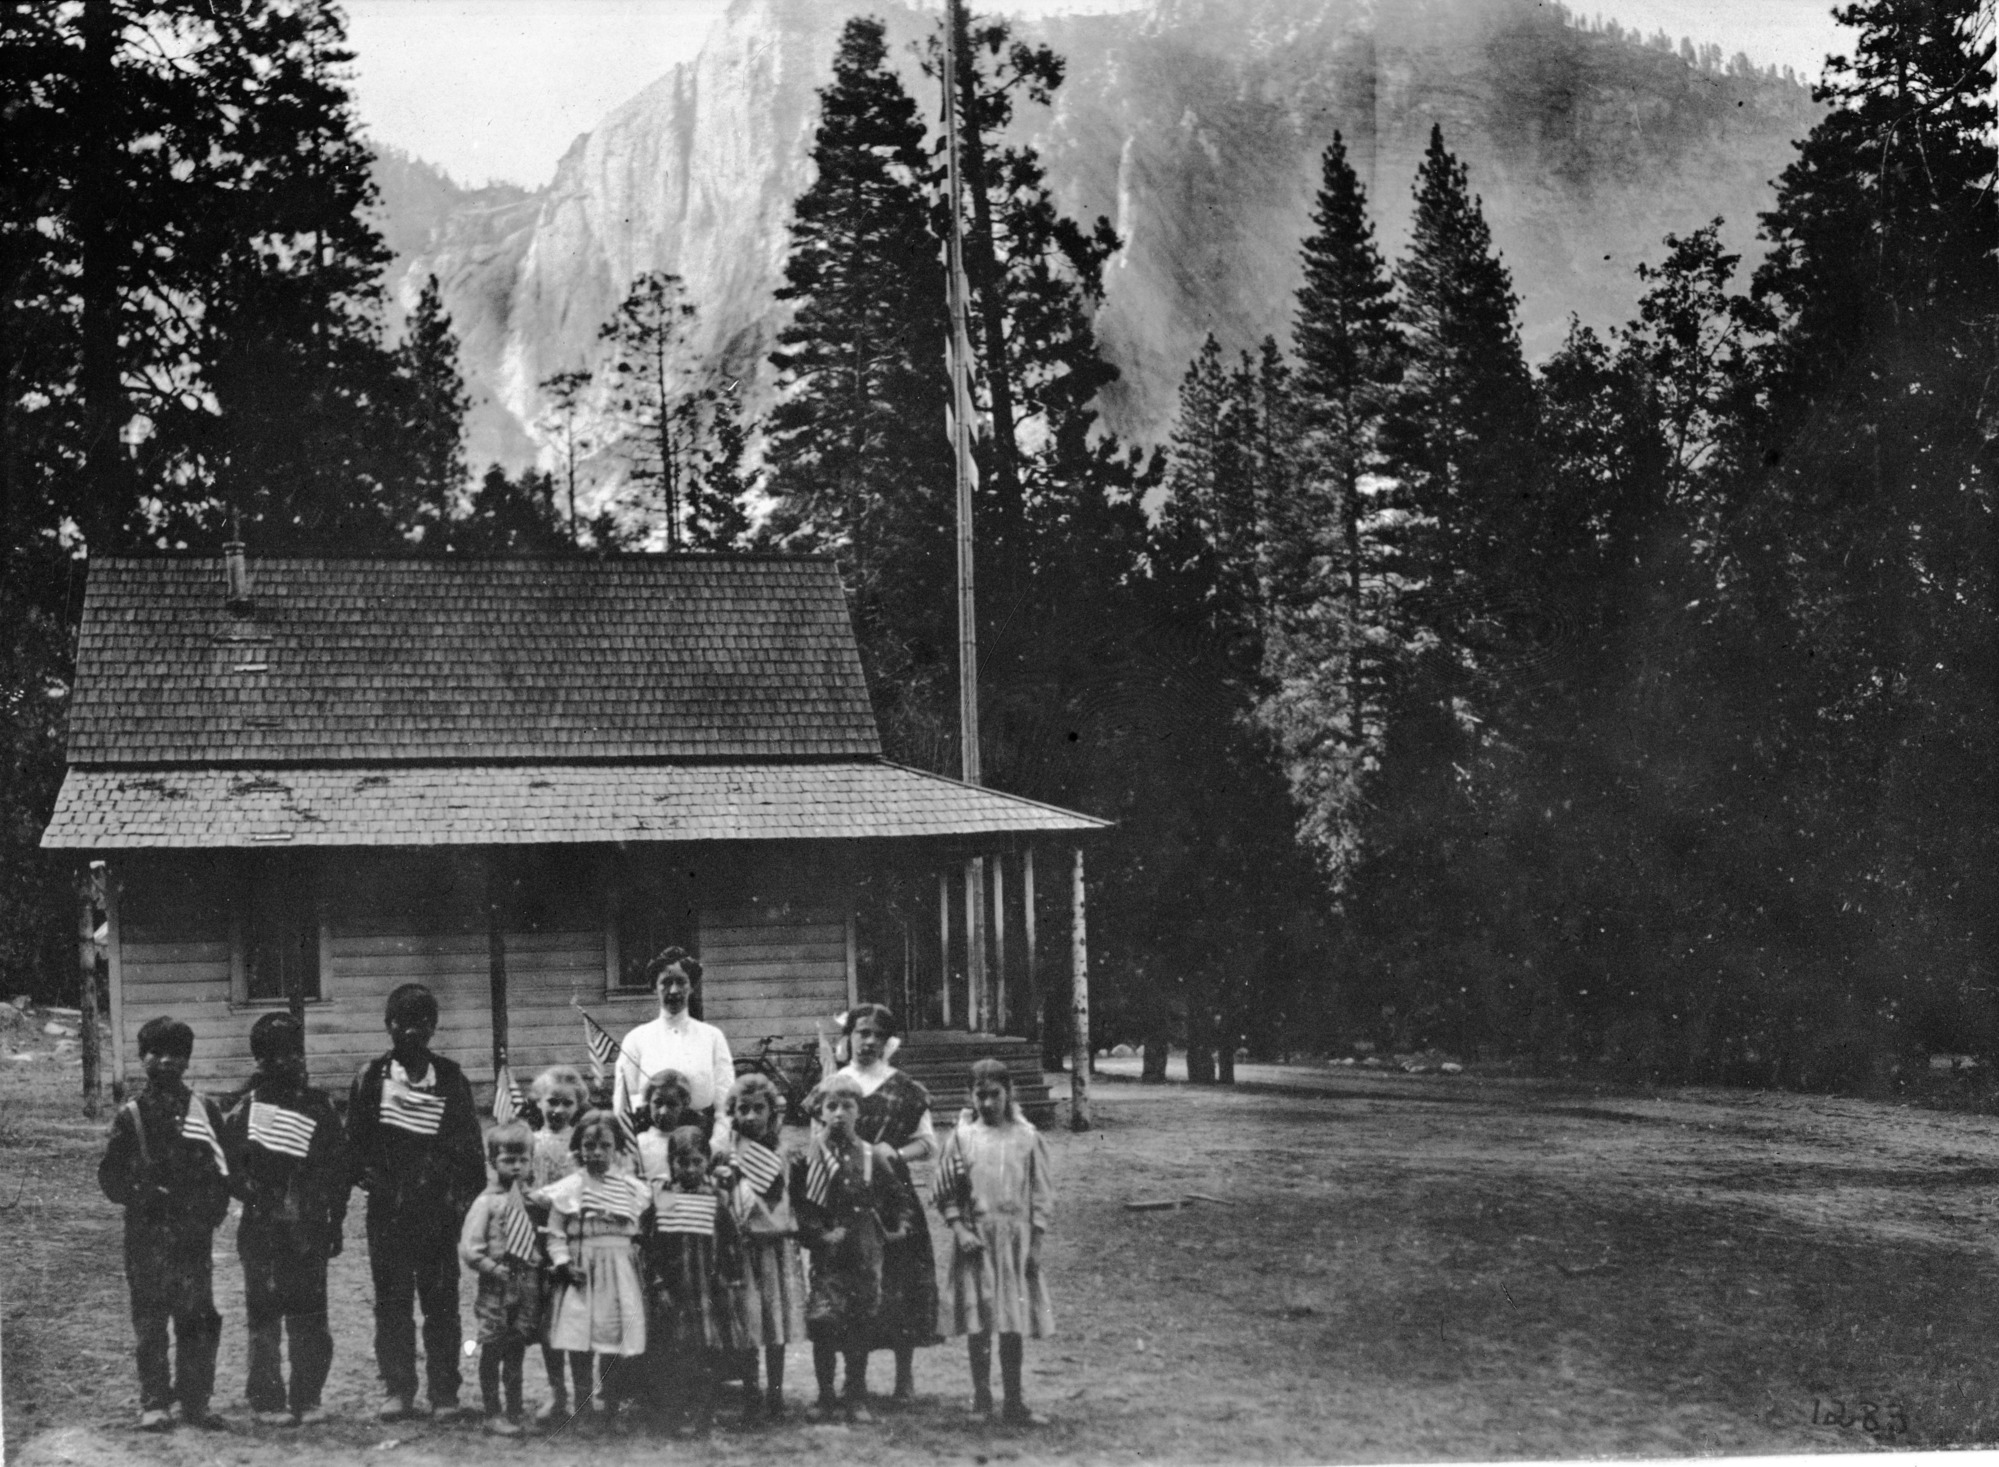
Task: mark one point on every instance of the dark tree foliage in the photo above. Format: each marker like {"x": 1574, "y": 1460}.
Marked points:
{"x": 1731, "y": 658}
{"x": 858, "y": 457}
{"x": 660, "y": 396}
{"x": 191, "y": 332}
{"x": 433, "y": 404}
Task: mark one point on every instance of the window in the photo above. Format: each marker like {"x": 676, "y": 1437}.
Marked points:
{"x": 279, "y": 927}
{"x": 658, "y": 906}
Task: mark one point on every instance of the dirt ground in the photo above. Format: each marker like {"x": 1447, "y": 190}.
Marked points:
{"x": 1398, "y": 1268}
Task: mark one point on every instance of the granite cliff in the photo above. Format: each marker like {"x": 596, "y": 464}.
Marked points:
{"x": 1195, "y": 125}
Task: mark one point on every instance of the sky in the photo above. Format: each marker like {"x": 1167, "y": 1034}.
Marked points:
{"x": 498, "y": 89}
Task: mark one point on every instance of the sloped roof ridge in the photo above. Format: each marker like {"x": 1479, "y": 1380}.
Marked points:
{"x": 986, "y": 789}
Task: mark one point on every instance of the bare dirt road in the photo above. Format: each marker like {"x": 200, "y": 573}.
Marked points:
{"x": 1396, "y": 1268}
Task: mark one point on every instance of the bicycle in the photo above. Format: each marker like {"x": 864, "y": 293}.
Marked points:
{"x": 794, "y": 1068}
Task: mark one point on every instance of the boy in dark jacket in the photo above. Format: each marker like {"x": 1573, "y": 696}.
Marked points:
{"x": 288, "y": 1164}
{"x": 164, "y": 1165}
{"x": 413, "y": 1146}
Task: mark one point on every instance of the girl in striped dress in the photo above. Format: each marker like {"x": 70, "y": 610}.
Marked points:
{"x": 994, "y": 1189}
{"x": 853, "y": 1199}
{"x": 773, "y": 1290}
{"x": 693, "y": 1264}
{"x": 596, "y": 1217}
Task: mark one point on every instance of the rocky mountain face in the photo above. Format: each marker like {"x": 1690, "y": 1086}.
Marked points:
{"x": 1195, "y": 125}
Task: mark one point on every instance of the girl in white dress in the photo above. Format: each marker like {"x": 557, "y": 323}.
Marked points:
{"x": 994, "y": 1189}
{"x": 596, "y": 1217}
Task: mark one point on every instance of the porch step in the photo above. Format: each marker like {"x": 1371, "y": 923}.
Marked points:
{"x": 942, "y": 1061}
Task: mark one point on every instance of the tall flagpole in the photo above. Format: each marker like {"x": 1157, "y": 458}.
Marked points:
{"x": 961, "y": 417}
{"x": 961, "y": 445}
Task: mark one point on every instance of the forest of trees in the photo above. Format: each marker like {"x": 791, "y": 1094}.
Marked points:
{"x": 1623, "y": 710}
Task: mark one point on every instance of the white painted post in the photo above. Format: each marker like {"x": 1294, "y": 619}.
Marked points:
{"x": 117, "y": 982}
{"x": 975, "y": 944}
{"x": 944, "y": 941}
{"x": 999, "y": 944}
{"x": 1033, "y": 977}
{"x": 1079, "y": 1001}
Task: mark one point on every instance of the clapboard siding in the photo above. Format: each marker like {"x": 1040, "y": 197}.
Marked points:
{"x": 777, "y": 965}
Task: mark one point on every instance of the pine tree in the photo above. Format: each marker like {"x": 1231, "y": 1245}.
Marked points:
{"x": 658, "y": 396}
{"x": 858, "y": 458}
{"x": 565, "y": 423}
{"x": 434, "y": 404}
{"x": 720, "y": 490}
{"x": 1459, "y": 437}
{"x": 1326, "y": 579}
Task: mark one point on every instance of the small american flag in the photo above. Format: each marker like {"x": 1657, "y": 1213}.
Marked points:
{"x": 759, "y": 1165}
{"x": 195, "y": 1126}
{"x": 687, "y": 1212}
{"x": 818, "y": 1176}
{"x": 508, "y": 1102}
{"x": 408, "y": 1109}
{"x": 284, "y": 1131}
{"x": 523, "y": 1241}
{"x": 602, "y": 1046}
{"x": 951, "y": 1172}
{"x": 615, "y": 1196}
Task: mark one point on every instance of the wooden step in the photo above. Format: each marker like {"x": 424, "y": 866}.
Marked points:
{"x": 941, "y": 1059}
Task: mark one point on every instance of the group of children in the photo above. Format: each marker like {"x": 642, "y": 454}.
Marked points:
{"x": 648, "y": 1265}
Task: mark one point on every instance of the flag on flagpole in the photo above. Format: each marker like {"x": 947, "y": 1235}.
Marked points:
{"x": 195, "y": 1126}
{"x": 285, "y": 1131}
{"x": 508, "y": 1102}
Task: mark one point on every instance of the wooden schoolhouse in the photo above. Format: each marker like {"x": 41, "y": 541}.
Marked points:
{"x": 312, "y": 780}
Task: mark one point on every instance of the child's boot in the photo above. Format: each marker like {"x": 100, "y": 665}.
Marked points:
{"x": 1015, "y": 1411}
{"x": 980, "y": 1348}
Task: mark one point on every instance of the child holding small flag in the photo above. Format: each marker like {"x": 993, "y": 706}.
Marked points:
{"x": 693, "y": 1264}
{"x": 165, "y": 1166}
{"x": 994, "y": 1189}
{"x": 413, "y": 1147}
{"x": 501, "y": 1244}
{"x": 288, "y": 1165}
{"x": 596, "y": 1217}
{"x": 772, "y": 1298}
{"x": 851, "y": 1199}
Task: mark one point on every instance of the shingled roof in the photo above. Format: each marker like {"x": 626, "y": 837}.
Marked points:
{"x": 522, "y": 804}
{"x": 494, "y": 702}
{"x": 640, "y": 657}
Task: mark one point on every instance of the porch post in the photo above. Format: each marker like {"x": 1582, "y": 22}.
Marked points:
{"x": 496, "y": 962}
{"x": 1079, "y": 965}
{"x": 1033, "y": 978}
{"x": 853, "y": 965}
{"x": 944, "y": 941}
{"x": 999, "y": 944}
{"x": 86, "y": 953}
{"x": 117, "y": 981}
{"x": 975, "y": 943}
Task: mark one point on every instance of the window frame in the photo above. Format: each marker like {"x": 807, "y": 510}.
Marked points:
{"x": 254, "y": 867}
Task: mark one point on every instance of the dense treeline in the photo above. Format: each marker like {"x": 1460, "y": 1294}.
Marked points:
{"x": 1635, "y": 709}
